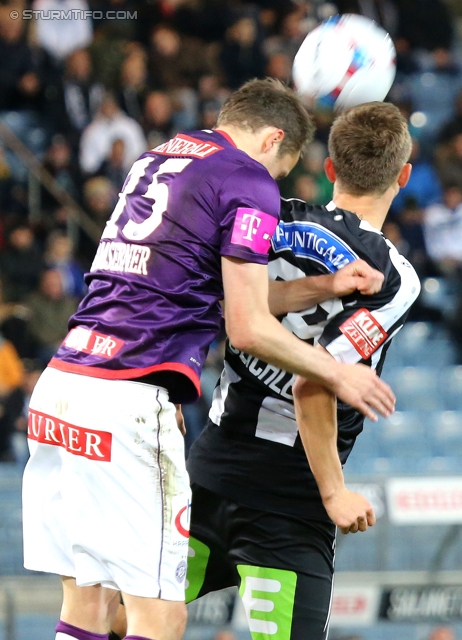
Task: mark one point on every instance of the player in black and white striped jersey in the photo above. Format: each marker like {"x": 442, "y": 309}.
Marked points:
{"x": 267, "y": 492}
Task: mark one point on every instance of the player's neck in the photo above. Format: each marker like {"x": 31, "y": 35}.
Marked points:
{"x": 249, "y": 143}
{"x": 372, "y": 208}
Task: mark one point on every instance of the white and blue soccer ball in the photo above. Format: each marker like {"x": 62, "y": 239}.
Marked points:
{"x": 345, "y": 61}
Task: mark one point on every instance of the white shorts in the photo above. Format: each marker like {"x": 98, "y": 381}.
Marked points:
{"x": 106, "y": 495}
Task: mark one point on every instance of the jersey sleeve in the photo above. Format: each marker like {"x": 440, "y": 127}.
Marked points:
{"x": 248, "y": 207}
{"x": 367, "y": 323}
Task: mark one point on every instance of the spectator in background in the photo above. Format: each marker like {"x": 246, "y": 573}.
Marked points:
{"x": 210, "y": 97}
{"x": 20, "y": 86}
{"x": 11, "y": 369}
{"x": 209, "y": 114}
{"x": 77, "y": 98}
{"x": 433, "y": 91}
{"x": 410, "y": 220}
{"x": 6, "y": 185}
{"x": 61, "y": 37}
{"x": 210, "y": 88}
{"x": 384, "y": 12}
{"x": 14, "y": 326}
{"x": 308, "y": 181}
{"x": 99, "y": 199}
{"x": 454, "y": 126}
{"x": 392, "y": 231}
{"x": 305, "y": 188}
{"x": 424, "y": 185}
{"x": 241, "y": 55}
{"x": 293, "y": 31}
{"x": 110, "y": 124}
{"x": 59, "y": 256}
{"x": 176, "y": 61}
{"x": 20, "y": 264}
{"x": 425, "y": 24}
{"x": 11, "y": 377}
{"x": 443, "y": 230}
{"x": 17, "y": 408}
{"x": 49, "y": 308}
{"x": 134, "y": 84}
{"x": 158, "y": 118}
{"x": 58, "y": 162}
{"x": 448, "y": 160}
{"x": 113, "y": 167}
{"x": 108, "y": 51}
{"x": 279, "y": 66}
{"x": 124, "y": 26}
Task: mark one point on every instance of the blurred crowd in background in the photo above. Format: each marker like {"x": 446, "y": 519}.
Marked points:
{"x": 88, "y": 96}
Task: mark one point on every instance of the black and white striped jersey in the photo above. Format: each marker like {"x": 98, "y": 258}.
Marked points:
{"x": 251, "y": 451}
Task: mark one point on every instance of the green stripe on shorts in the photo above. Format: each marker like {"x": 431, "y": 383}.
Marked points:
{"x": 268, "y": 597}
{"x": 198, "y": 557}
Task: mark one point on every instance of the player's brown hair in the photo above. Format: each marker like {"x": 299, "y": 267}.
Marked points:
{"x": 269, "y": 102}
{"x": 369, "y": 145}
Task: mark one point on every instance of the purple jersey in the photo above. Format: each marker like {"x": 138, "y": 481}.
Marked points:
{"x": 155, "y": 283}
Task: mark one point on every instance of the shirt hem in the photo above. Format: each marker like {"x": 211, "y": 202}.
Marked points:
{"x": 125, "y": 374}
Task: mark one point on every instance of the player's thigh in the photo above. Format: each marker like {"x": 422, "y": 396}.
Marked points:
{"x": 286, "y": 569}
{"x": 209, "y": 568}
{"x": 123, "y": 487}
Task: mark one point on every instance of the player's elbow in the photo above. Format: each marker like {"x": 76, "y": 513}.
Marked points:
{"x": 242, "y": 337}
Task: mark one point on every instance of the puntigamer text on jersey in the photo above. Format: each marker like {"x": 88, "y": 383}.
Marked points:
{"x": 311, "y": 240}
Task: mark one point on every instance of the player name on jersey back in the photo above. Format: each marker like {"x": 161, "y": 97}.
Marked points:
{"x": 122, "y": 257}
{"x": 182, "y": 145}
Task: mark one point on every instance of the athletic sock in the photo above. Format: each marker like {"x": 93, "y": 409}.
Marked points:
{"x": 66, "y": 631}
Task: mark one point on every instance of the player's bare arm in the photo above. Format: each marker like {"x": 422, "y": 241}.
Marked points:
{"x": 303, "y": 293}
{"x": 316, "y": 413}
{"x": 252, "y": 328}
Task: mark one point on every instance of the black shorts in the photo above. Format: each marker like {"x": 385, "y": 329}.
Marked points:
{"x": 283, "y": 565}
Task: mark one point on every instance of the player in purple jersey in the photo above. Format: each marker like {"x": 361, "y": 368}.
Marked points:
{"x": 193, "y": 224}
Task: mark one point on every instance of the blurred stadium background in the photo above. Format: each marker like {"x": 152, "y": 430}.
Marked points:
{"x": 80, "y": 99}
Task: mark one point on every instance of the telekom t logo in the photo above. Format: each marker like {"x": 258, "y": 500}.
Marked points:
{"x": 250, "y": 224}
{"x": 253, "y": 229}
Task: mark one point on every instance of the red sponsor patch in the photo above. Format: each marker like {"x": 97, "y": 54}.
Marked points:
{"x": 364, "y": 333}
{"x": 182, "y": 520}
{"x": 91, "y": 444}
{"x": 96, "y": 344}
{"x": 182, "y": 145}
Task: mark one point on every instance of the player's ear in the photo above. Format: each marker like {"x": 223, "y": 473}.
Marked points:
{"x": 330, "y": 170}
{"x": 404, "y": 175}
{"x": 274, "y": 137}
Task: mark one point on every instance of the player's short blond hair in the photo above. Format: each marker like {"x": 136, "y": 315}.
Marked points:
{"x": 369, "y": 145}
{"x": 269, "y": 102}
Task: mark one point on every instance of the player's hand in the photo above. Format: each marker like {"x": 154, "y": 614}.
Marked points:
{"x": 360, "y": 387}
{"x": 350, "y": 511}
{"x": 180, "y": 419}
{"x": 356, "y": 276}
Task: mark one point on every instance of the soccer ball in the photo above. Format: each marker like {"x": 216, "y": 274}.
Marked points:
{"x": 345, "y": 61}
